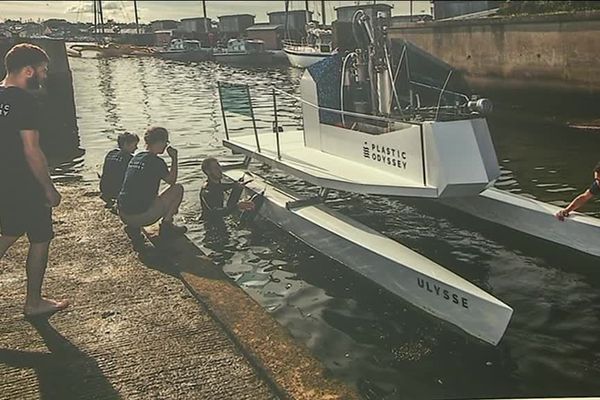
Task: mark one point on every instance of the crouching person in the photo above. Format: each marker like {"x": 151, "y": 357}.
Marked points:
{"x": 115, "y": 166}
{"x": 139, "y": 202}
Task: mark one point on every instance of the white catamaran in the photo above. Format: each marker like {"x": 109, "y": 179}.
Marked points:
{"x": 388, "y": 119}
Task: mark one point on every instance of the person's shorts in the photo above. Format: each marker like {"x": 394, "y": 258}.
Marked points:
{"x": 33, "y": 219}
{"x": 157, "y": 210}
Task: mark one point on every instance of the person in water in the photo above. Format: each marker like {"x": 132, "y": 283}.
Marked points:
{"x": 139, "y": 202}
{"x": 115, "y": 165}
{"x": 212, "y": 194}
{"x": 579, "y": 201}
{"x": 28, "y": 193}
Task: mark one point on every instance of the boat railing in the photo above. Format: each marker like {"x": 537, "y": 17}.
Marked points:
{"x": 295, "y": 45}
{"x": 237, "y": 99}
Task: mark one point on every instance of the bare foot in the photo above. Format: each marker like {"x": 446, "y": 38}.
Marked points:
{"x": 45, "y": 307}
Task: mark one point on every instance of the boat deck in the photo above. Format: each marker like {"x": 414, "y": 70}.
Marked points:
{"x": 326, "y": 170}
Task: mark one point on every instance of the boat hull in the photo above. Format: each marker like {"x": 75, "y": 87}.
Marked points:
{"x": 244, "y": 59}
{"x": 189, "y": 56}
{"x": 532, "y": 217}
{"x": 389, "y": 264}
{"x": 304, "y": 60}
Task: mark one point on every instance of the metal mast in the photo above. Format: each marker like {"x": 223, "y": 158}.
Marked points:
{"x": 137, "y": 20}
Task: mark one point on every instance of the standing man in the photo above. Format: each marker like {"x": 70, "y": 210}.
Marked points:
{"x": 27, "y": 192}
{"x": 139, "y": 202}
{"x": 583, "y": 198}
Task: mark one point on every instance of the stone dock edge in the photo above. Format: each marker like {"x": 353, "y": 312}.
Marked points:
{"x": 285, "y": 364}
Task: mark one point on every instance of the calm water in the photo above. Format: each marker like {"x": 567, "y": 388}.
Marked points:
{"x": 365, "y": 336}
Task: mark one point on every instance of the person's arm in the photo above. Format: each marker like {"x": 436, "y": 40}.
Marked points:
{"x": 39, "y": 165}
{"x": 171, "y": 178}
{"x": 578, "y": 202}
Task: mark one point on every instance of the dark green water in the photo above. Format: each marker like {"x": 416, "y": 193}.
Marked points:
{"x": 365, "y": 336}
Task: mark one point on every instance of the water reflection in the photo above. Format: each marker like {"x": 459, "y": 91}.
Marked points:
{"x": 364, "y": 335}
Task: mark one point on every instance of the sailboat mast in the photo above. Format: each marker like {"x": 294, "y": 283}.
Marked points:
{"x": 95, "y": 18}
{"x": 306, "y": 9}
{"x": 205, "y": 20}
{"x": 101, "y": 14}
{"x": 137, "y": 20}
{"x": 287, "y": 28}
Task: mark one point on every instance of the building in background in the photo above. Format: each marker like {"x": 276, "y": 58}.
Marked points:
{"x": 406, "y": 19}
{"x": 271, "y": 35}
{"x": 163, "y": 38}
{"x": 163, "y": 25}
{"x": 297, "y": 20}
{"x": 196, "y": 25}
{"x": 234, "y": 26}
{"x": 345, "y": 13}
{"x": 451, "y": 9}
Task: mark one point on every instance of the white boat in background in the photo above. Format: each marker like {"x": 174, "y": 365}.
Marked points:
{"x": 185, "y": 50}
{"x": 316, "y": 48}
{"x": 244, "y": 51}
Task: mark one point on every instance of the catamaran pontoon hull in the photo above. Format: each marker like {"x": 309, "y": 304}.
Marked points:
{"x": 532, "y": 217}
{"x": 389, "y": 264}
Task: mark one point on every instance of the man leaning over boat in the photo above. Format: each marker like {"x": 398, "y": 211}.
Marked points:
{"x": 212, "y": 194}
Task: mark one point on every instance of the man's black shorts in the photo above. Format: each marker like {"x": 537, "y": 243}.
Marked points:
{"x": 33, "y": 219}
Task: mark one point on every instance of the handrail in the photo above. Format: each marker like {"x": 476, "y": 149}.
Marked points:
{"x": 350, "y": 113}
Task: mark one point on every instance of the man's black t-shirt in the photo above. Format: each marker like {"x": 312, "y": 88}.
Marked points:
{"x": 113, "y": 173}
{"x": 18, "y": 111}
{"x": 595, "y": 188}
{"x": 142, "y": 181}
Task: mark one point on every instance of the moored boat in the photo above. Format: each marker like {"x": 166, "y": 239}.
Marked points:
{"x": 185, "y": 50}
{"x": 244, "y": 51}
{"x": 316, "y": 48}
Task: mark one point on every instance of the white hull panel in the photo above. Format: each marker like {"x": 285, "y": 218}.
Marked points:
{"x": 532, "y": 217}
{"x": 300, "y": 60}
{"x": 244, "y": 58}
{"x": 389, "y": 264}
{"x": 327, "y": 170}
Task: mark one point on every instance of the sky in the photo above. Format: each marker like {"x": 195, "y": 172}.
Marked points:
{"x": 122, "y": 11}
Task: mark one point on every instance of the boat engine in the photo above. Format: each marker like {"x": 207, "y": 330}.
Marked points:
{"x": 416, "y": 86}
{"x": 367, "y": 84}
